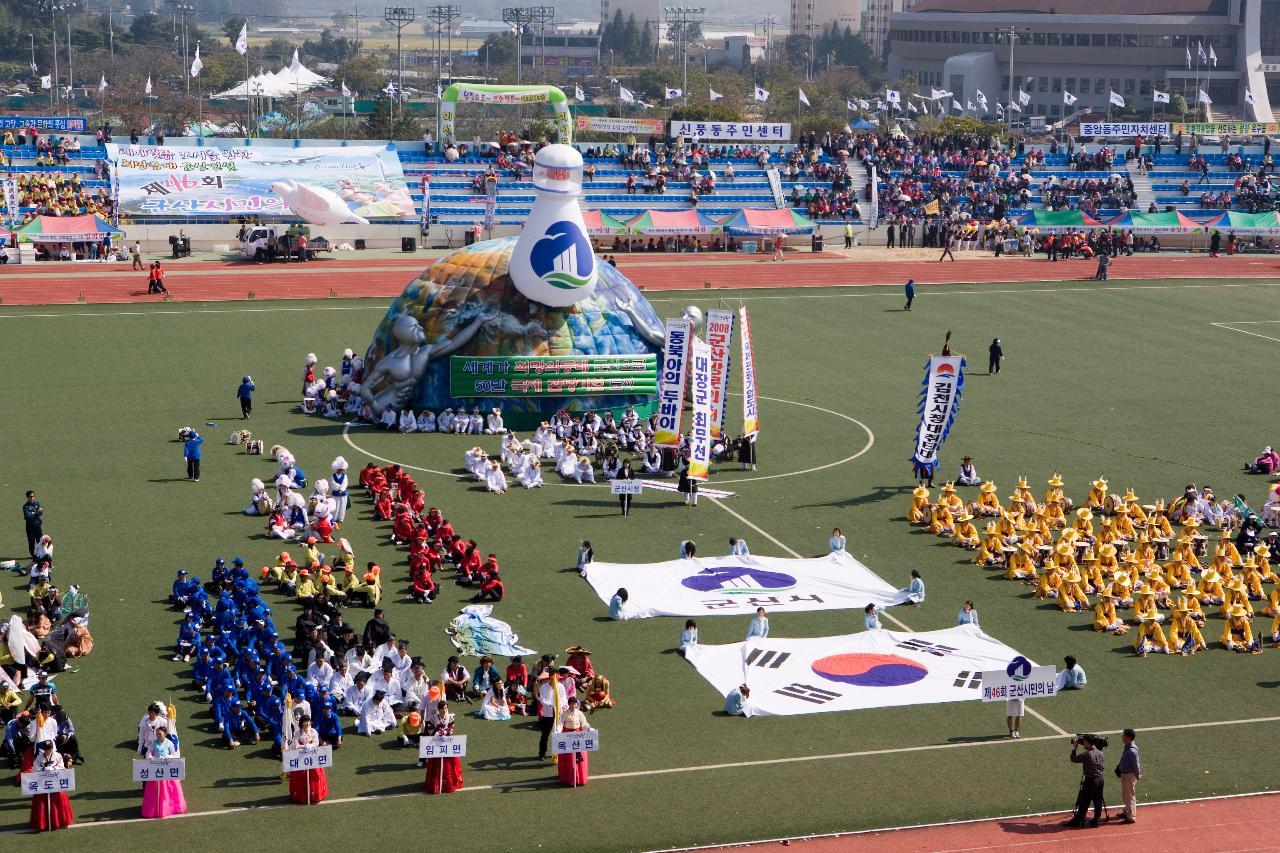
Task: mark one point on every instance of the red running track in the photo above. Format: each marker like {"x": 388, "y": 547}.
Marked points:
{"x": 386, "y": 277}
{"x": 1205, "y": 826}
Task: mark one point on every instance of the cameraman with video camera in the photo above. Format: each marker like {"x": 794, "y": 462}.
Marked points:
{"x": 1092, "y": 781}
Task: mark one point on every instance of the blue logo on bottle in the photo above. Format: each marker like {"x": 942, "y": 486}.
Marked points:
{"x": 562, "y": 256}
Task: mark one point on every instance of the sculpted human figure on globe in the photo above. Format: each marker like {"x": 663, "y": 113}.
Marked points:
{"x": 403, "y": 367}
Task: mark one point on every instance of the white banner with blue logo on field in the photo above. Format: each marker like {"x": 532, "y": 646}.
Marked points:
{"x": 871, "y": 669}
{"x": 1020, "y": 679}
{"x": 736, "y": 586}
{"x": 940, "y": 395}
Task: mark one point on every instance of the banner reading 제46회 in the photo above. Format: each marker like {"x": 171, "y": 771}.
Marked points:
{"x": 208, "y": 181}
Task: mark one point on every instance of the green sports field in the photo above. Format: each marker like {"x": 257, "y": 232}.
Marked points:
{"x": 1154, "y": 384}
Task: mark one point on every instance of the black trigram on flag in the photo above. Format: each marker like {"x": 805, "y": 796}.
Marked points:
{"x": 767, "y": 660}
{"x": 965, "y": 678}
{"x": 807, "y": 693}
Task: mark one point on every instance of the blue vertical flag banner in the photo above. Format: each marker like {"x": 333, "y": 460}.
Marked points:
{"x": 939, "y": 404}
{"x": 671, "y": 381}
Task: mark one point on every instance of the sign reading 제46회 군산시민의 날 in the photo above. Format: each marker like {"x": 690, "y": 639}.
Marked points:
{"x": 552, "y": 375}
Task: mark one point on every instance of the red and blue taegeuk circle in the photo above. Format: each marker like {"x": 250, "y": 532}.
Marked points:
{"x": 870, "y": 670}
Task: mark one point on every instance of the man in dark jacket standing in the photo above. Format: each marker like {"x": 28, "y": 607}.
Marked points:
{"x": 33, "y": 516}
{"x": 1091, "y": 783}
{"x": 191, "y": 452}
{"x": 245, "y": 394}
{"x": 996, "y": 352}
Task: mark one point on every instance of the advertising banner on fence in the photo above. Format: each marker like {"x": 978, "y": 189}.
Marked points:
{"x": 69, "y": 124}
{"x": 552, "y": 375}
{"x": 939, "y": 402}
{"x": 719, "y": 338}
{"x": 736, "y": 586}
{"x": 207, "y": 181}
{"x": 1235, "y": 128}
{"x": 671, "y": 376}
{"x": 611, "y": 124}
{"x": 742, "y": 131}
{"x": 1124, "y": 128}
{"x": 700, "y": 429}
{"x": 1020, "y": 679}
{"x": 750, "y": 406}
{"x": 871, "y": 669}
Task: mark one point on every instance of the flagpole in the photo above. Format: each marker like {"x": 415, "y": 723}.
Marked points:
{"x": 248, "y": 101}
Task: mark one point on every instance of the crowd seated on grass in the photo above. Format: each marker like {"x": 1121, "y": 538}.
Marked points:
{"x": 1126, "y": 554}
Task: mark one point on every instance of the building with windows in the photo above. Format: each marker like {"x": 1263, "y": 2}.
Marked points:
{"x": 875, "y": 23}
{"x": 1088, "y": 48}
{"x": 560, "y": 55}
{"x": 810, "y": 17}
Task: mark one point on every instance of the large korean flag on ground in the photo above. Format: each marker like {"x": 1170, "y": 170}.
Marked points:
{"x": 736, "y": 586}
{"x": 874, "y": 669}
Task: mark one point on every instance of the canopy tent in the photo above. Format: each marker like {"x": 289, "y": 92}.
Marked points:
{"x": 1254, "y": 224}
{"x": 304, "y": 79}
{"x": 601, "y": 224}
{"x": 1172, "y": 222}
{"x": 670, "y": 222}
{"x": 281, "y": 84}
{"x": 862, "y": 124}
{"x": 1052, "y": 221}
{"x": 66, "y": 229}
{"x": 761, "y": 223}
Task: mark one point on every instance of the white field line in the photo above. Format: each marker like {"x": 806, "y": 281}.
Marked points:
{"x": 1231, "y": 327}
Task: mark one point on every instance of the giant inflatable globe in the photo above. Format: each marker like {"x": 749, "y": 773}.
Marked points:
{"x": 467, "y": 299}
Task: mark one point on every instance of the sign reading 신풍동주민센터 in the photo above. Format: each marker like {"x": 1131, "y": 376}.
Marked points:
{"x": 735, "y": 131}
{"x": 552, "y": 375}
{"x": 207, "y": 181}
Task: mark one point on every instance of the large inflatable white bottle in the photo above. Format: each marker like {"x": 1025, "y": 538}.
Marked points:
{"x": 552, "y": 262}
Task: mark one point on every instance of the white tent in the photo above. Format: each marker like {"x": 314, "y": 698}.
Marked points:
{"x": 281, "y": 84}
{"x": 305, "y": 79}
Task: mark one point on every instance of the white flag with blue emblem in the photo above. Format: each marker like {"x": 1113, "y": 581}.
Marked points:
{"x": 761, "y": 95}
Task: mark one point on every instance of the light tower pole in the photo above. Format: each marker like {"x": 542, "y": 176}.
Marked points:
{"x": 543, "y": 15}
{"x": 1010, "y": 33}
{"x": 518, "y": 18}
{"x": 681, "y": 19}
{"x": 399, "y": 17}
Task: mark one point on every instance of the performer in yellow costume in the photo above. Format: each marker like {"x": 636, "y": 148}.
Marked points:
{"x": 991, "y": 553}
{"x": 941, "y": 522}
{"x": 1227, "y": 546}
{"x": 965, "y": 535}
{"x": 1184, "y": 637}
{"x": 1251, "y": 579}
{"x": 1178, "y": 575}
{"x": 1137, "y": 514}
{"x": 919, "y": 511}
{"x": 988, "y": 503}
{"x": 1055, "y": 493}
{"x": 1049, "y": 581}
{"x": 1263, "y": 555}
{"x": 1084, "y": 522}
{"x": 1160, "y": 517}
{"x": 1021, "y": 566}
{"x": 1210, "y": 591}
{"x": 1221, "y": 564}
{"x": 1144, "y": 607}
{"x": 1155, "y": 582}
{"x": 951, "y": 499}
{"x": 1123, "y": 523}
{"x": 1107, "y": 560}
{"x": 1071, "y": 595}
{"x": 1237, "y": 634}
{"x": 1150, "y": 638}
{"x": 1235, "y": 594}
{"x": 1105, "y": 618}
{"x": 1194, "y": 611}
{"x": 1065, "y": 556}
{"x": 1121, "y": 590}
{"x": 1097, "y": 495}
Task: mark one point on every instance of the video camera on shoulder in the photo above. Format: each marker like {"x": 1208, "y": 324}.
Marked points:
{"x": 1097, "y": 740}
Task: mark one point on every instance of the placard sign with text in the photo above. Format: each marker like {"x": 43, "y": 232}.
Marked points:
{"x": 307, "y": 758}
{"x": 563, "y": 743}
{"x": 442, "y": 746}
{"x": 159, "y": 769}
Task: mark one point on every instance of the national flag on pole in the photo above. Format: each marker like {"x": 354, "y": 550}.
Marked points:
{"x": 242, "y": 40}
{"x": 893, "y": 96}
{"x": 911, "y": 107}
{"x": 981, "y": 99}
{"x": 1248, "y": 96}
{"x": 46, "y": 81}
{"x": 1188, "y": 57}
{"x": 1159, "y": 97}
{"x": 625, "y": 95}
{"x": 850, "y": 104}
{"x": 1015, "y": 108}
{"x": 750, "y": 403}
{"x": 761, "y": 94}
{"x": 938, "y": 94}
{"x": 346, "y": 93}
{"x": 863, "y": 105}
{"x": 147, "y": 90}
{"x": 1204, "y": 98}
{"x": 955, "y": 105}
{"x": 1116, "y": 99}
{"x": 578, "y": 94}
{"x": 102, "y": 84}
{"x": 1213, "y": 57}
{"x": 713, "y": 94}
{"x": 295, "y": 65}
{"x": 672, "y": 93}
{"x": 1068, "y": 98}
{"x": 700, "y": 428}
{"x": 196, "y": 64}
{"x": 1023, "y": 97}
{"x": 1203, "y": 57}
{"x": 803, "y": 98}
{"x": 390, "y": 88}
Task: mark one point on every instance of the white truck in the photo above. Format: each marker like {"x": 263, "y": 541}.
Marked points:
{"x": 254, "y": 243}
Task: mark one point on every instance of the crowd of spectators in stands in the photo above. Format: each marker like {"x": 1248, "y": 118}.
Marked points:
{"x": 49, "y": 191}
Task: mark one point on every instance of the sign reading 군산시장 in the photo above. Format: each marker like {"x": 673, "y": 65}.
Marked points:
{"x": 1019, "y": 680}
{"x": 626, "y": 487}
{"x": 552, "y": 375}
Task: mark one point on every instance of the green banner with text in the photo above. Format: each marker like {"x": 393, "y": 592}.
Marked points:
{"x": 552, "y": 375}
